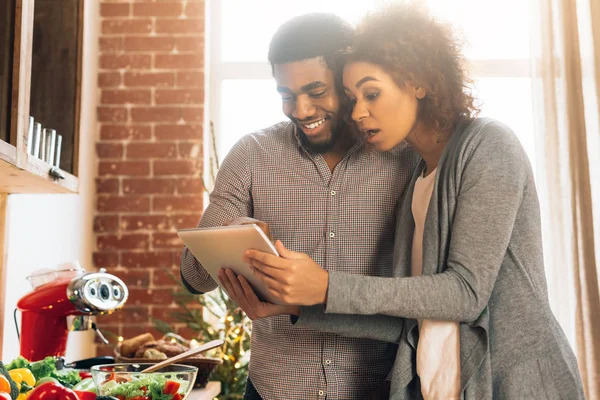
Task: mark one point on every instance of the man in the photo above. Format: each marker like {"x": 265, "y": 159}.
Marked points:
{"x": 322, "y": 192}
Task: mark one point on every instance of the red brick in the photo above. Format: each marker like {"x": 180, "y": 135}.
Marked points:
{"x": 189, "y": 43}
{"x": 156, "y": 9}
{"x": 190, "y": 79}
{"x": 134, "y": 277}
{"x": 153, "y": 43}
{"x": 179, "y": 96}
{"x": 105, "y": 259}
{"x": 108, "y": 203}
{"x": 122, "y": 242}
{"x": 166, "y": 276}
{"x": 183, "y": 26}
{"x": 112, "y": 114}
{"x": 148, "y": 186}
{"x": 103, "y": 350}
{"x": 190, "y": 150}
{"x": 114, "y": 10}
{"x": 194, "y": 9}
{"x": 166, "y": 314}
{"x": 121, "y": 132}
{"x": 192, "y": 114}
{"x": 106, "y": 223}
{"x": 153, "y": 79}
{"x": 110, "y": 44}
{"x": 129, "y": 331}
{"x": 109, "y": 150}
{"x": 156, "y": 114}
{"x": 127, "y": 61}
{"x": 127, "y": 168}
{"x": 176, "y": 167}
{"x": 166, "y": 240}
{"x": 125, "y": 96}
{"x": 189, "y": 186}
{"x": 126, "y": 26}
{"x": 125, "y": 315}
{"x": 179, "y": 61}
{"x": 144, "y": 222}
{"x": 147, "y": 259}
{"x": 184, "y": 221}
{"x": 149, "y": 296}
{"x": 176, "y": 204}
{"x": 172, "y": 132}
{"x": 107, "y": 186}
{"x": 151, "y": 150}
{"x": 177, "y": 258}
{"x": 109, "y": 79}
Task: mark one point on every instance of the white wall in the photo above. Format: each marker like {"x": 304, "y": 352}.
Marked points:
{"x": 47, "y": 230}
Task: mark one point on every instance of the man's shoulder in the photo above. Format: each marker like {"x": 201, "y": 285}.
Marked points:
{"x": 279, "y": 134}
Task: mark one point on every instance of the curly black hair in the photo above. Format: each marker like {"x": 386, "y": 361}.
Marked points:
{"x": 411, "y": 45}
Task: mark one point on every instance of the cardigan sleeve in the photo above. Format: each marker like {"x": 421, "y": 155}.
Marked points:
{"x": 494, "y": 179}
{"x": 378, "y": 327}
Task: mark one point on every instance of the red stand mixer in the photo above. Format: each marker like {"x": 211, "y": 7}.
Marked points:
{"x": 69, "y": 301}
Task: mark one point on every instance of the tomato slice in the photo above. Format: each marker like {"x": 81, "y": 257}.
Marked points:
{"x": 177, "y": 396}
{"x": 171, "y": 387}
{"x": 83, "y": 395}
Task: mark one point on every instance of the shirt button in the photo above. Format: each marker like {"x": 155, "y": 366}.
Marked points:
{"x": 333, "y": 192}
{"x": 331, "y": 235}
{"x": 321, "y": 393}
{"x": 327, "y": 362}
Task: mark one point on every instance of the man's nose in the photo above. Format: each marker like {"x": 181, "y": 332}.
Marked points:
{"x": 304, "y": 108}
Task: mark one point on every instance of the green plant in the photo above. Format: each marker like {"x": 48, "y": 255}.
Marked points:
{"x": 230, "y": 325}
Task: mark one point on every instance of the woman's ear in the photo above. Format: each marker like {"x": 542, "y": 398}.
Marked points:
{"x": 420, "y": 92}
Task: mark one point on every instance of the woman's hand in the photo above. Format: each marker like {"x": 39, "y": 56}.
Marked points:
{"x": 239, "y": 290}
{"x": 293, "y": 278}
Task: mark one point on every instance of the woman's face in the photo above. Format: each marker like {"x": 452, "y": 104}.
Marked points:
{"x": 385, "y": 112}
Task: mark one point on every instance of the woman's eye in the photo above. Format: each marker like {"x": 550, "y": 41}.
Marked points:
{"x": 372, "y": 96}
{"x": 286, "y": 98}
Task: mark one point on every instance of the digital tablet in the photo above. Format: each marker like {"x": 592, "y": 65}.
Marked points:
{"x": 224, "y": 247}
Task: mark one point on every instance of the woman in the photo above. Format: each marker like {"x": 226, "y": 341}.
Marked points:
{"x": 469, "y": 277}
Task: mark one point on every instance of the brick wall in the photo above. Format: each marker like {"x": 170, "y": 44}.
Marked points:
{"x": 149, "y": 147}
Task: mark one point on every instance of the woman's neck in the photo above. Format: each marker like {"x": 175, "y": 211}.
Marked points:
{"x": 430, "y": 146}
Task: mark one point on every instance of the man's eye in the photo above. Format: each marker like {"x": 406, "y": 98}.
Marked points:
{"x": 319, "y": 94}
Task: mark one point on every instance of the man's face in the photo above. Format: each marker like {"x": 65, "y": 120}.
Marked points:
{"x": 310, "y": 100}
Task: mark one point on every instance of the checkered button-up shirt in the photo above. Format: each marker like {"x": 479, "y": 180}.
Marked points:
{"x": 345, "y": 220}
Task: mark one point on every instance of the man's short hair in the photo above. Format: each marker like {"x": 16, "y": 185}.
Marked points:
{"x": 310, "y": 36}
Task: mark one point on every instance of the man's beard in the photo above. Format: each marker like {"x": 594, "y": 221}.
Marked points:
{"x": 324, "y": 146}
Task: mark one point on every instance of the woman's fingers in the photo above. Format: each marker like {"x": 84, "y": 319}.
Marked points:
{"x": 264, "y": 258}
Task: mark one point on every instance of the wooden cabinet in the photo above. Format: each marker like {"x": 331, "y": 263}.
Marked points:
{"x": 40, "y": 73}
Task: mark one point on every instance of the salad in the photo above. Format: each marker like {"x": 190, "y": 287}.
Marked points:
{"x": 143, "y": 387}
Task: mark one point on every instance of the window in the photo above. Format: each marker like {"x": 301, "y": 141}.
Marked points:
{"x": 242, "y": 92}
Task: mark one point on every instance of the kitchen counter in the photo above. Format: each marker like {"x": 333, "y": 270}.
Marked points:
{"x": 210, "y": 392}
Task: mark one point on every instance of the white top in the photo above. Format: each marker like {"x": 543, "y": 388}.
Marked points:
{"x": 438, "y": 350}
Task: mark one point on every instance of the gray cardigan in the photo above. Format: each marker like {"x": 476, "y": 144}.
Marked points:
{"x": 482, "y": 266}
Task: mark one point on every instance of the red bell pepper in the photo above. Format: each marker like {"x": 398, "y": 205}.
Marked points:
{"x": 52, "y": 391}
{"x": 83, "y": 395}
{"x": 5, "y": 396}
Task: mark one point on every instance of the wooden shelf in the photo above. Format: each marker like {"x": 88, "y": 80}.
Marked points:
{"x": 34, "y": 178}
{"x": 19, "y": 171}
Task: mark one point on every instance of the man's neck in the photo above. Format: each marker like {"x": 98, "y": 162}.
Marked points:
{"x": 338, "y": 151}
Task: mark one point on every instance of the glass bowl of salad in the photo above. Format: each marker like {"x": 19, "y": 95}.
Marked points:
{"x": 127, "y": 382}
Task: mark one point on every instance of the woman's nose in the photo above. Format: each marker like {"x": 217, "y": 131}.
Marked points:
{"x": 358, "y": 113}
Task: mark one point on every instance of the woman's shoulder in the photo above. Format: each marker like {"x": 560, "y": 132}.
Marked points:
{"x": 488, "y": 138}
